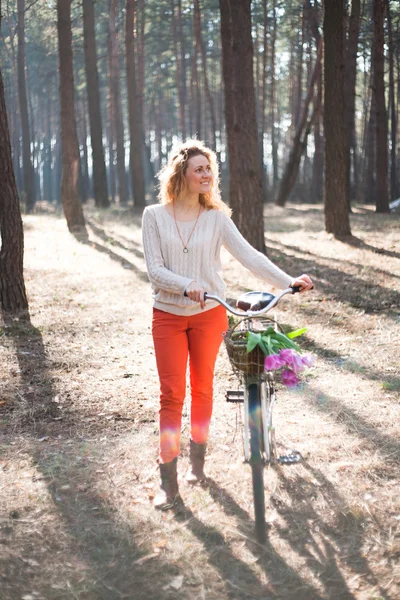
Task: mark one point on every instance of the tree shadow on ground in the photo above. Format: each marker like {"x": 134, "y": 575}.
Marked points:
{"x": 100, "y": 559}
{"x": 350, "y": 365}
{"x": 128, "y": 245}
{"x": 238, "y": 578}
{"x": 309, "y": 536}
{"x": 36, "y": 380}
{"x": 284, "y": 580}
{"x": 304, "y": 524}
{"x": 124, "y": 262}
{"x": 339, "y": 285}
{"x": 337, "y": 261}
{"x": 337, "y": 410}
{"x": 356, "y": 242}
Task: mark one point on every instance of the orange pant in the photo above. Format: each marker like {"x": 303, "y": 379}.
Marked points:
{"x": 175, "y": 338}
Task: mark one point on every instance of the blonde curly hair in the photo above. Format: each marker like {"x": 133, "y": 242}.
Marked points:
{"x": 172, "y": 176}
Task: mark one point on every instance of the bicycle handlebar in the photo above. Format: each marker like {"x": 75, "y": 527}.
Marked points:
{"x": 252, "y": 313}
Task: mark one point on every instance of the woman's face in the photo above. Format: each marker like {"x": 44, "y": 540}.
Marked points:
{"x": 198, "y": 175}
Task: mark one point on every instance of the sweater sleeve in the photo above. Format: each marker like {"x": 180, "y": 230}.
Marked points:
{"x": 160, "y": 277}
{"x": 250, "y": 258}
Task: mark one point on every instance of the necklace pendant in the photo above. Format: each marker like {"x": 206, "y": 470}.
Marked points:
{"x": 185, "y": 250}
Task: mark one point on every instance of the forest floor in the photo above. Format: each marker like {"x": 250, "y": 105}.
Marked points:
{"x": 78, "y": 428}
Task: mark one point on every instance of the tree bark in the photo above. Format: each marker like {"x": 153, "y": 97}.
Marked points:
{"x": 382, "y": 191}
{"x": 299, "y": 77}
{"x": 111, "y": 146}
{"x": 200, "y": 45}
{"x": 176, "y": 25}
{"x": 394, "y": 183}
{"x": 28, "y": 171}
{"x": 70, "y": 150}
{"x": 12, "y": 286}
{"x": 264, "y": 97}
{"x": 85, "y": 181}
{"x": 182, "y": 40}
{"x": 195, "y": 93}
{"x": 96, "y": 130}
{"x": 47, "y": 170}
{"x": 116, "y": 94}
{"x": 317, "y": 182}
{"x": 300, "y": 138}
{"x": 245, "y": 174}
{"x": 370, "y": 153}
{"x": 336, "y": 212}
{"x": 274, "y": 143}
{"x": 350, "y": 97}
{"x": 135, "y": 125}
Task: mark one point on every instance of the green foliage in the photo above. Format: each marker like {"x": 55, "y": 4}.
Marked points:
{"x": 271, "y": 341}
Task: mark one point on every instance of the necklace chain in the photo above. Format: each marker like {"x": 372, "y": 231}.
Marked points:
{"x": 185, "y": 246}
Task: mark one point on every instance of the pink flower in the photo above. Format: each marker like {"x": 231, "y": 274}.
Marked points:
{"x": 273, "y": 362}
{"x": 289, "y": 378}
{"x": 292, "y": 359}
{"x": 286, "y": 354}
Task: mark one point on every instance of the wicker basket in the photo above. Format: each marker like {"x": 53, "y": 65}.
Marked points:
{"x": 250, "y": 363}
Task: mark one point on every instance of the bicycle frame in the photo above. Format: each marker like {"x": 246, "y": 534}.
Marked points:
{"x": 258, "y": 402}
{"x": 267, "y": 399}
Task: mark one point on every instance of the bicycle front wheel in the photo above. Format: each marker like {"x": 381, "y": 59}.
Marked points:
{"x": 256, "y": 459}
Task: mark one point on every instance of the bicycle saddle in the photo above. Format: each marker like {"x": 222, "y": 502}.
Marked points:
{"x": 254, "y": 300}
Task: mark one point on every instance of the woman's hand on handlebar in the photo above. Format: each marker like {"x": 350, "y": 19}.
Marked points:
{"x": 304, "y": 282}
{"x": 195, "y": 293}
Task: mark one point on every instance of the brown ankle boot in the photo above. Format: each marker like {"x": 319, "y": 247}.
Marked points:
{"x": 195, "y": 473}
{"x": 169, "y": 492}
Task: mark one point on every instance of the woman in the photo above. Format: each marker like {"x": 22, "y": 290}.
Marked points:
{"x": 182, "y": 239}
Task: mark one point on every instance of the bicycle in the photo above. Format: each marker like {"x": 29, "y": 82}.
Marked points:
{"x": 258, "y": 393}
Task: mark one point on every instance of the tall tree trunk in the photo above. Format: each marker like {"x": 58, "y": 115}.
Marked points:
{"x": 300, "y": 138}
{"x": 245, "y": 174}
{"x": 70, "y": 150}
{"x": 116, "y": 94}
{"x": 370, "y": 153}
{"x": 264, "y": 96}
{"x": 299, "y": 82}
{"x": 179, "y": 66}
{"x": 111, "y": 147}
{"x": 139, "y": 52}
{"x": 200, "y": 45}
{"x": 313, "y": 19}
{"x": 96, "y": 131}
{"x": 12, "y": 286}
{"x": 274, "y": 143}
{"x": 29, "y": 175}
{"x": 382, "y": 191}
{"x": 350, "y": 96}
{"x": 394, "y": 183}
{"x": 81, "y": 129}
{"x": 135, "y": 125}
{"x": 15, "y": 112}
{"x": 47, "y": 172}
{"x": 195, "y": 93}
{"x": 318, "y": 158}
{"x": 183, "y": 86}
{"x": 336, "y": 212}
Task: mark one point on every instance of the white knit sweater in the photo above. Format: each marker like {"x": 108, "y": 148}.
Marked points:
{"x": 170, "y": 270}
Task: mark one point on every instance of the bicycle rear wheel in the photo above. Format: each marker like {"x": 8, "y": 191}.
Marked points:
{"x": 256, "y": 459}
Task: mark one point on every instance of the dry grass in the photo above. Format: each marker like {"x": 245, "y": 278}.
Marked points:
{"x": 78, "y": 406}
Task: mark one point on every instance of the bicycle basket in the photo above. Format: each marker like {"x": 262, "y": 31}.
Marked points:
{"x": 250, "y": 363}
